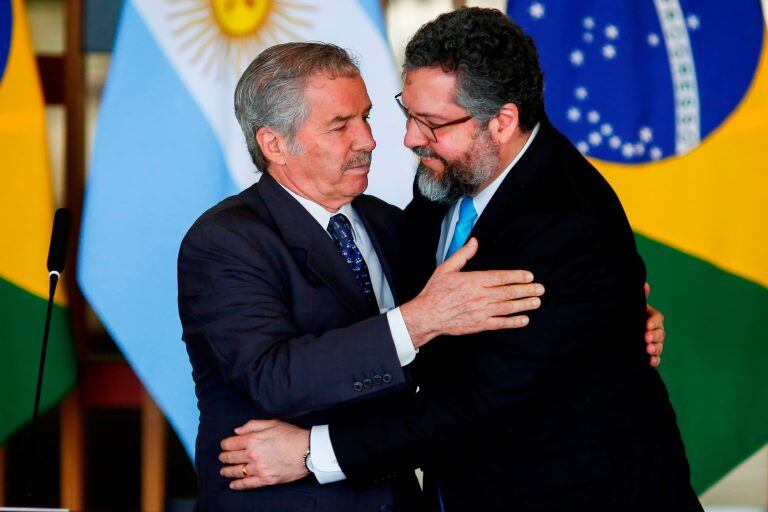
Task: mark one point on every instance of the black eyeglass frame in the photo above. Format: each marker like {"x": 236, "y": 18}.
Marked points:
{"x": 427, "y": 129}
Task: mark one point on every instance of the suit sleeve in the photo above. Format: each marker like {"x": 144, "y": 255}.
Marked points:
{"x": 504, "y": 372}
{"x": 235, "y": 311}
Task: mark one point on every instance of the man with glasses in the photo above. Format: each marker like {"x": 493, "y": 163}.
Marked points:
{"x": 565, "y": 414}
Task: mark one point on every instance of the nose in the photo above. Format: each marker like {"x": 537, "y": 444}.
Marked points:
{"x": 364, "y": 140}
{"x": 413, "y": 136}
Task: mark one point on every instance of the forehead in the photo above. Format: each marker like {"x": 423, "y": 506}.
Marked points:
{"x": 331, "y": 96}
{"x": 430, "y": 90}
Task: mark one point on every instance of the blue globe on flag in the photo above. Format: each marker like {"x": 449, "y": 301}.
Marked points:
{"x": 639, "y": 81}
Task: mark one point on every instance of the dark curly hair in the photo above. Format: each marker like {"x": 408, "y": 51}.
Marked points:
{"x": 495, "y": 62}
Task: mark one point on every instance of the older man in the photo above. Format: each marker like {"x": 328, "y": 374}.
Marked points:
{"x": 287, "y": 291}
{"x": 563, "y": 415}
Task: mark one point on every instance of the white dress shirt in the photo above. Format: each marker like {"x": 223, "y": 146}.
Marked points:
{"x": 323, "y": 462}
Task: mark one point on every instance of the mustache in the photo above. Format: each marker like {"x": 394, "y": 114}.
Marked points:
{"x": 425, "y": 152}
{"x": 359, "y": 159}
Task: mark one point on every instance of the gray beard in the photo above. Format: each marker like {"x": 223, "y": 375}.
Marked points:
{"x": 460, "y": 178}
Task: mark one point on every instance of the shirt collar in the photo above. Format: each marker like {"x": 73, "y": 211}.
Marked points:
{"x": 320, "y": 214}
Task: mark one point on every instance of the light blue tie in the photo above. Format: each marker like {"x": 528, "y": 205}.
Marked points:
{"x": 467, "y": 216}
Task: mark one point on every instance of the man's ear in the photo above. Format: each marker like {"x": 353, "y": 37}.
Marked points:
{"x": 271, "y": 145}
{"x": 506, "y": 124}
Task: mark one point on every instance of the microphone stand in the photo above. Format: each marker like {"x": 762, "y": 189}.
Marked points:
{"x": 53, "y": 281}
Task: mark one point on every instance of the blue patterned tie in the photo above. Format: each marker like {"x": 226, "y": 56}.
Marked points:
{"x": 341, "y": 231}
{"x": 467, "y": 216}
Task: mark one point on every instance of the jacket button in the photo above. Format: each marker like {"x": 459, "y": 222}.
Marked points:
{"x": 386, "y": 378}
{"x": 367, "y": 383}
{"x": 357, "y": 386}
{"x": 377, "y": 379}
{"x": 385, "y": 508}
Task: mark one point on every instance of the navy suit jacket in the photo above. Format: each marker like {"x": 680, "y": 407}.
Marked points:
{"x": 276, "y": 327}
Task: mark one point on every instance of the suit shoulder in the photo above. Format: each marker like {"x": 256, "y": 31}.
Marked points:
{"x": 583, "y": 186}
{"x": 231, "y": 215}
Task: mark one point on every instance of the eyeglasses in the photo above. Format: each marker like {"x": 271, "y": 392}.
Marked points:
{"x": 428, "y": 130}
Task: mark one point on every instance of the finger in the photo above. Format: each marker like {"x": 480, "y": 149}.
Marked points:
{"x": 510, "y": 307}
{"x": 251, "y": 482}
{"x": 234, "y": 443}
{"x": 516, "y": 291}
{"x": 491, "y": 278}
{"x": 460, "y": 257}
{"x": 234, "y": 471}
{"x": 655, "y": 320}
{"x": 653, "y": 349}
{"x": 655, "y": 361}
{"x": 255, "y": 426}
{"x": 234, "y": 457}
{"x": 506, "y": 322}
{"x": 655, "y": 336}
{"x": 647, "y": 290}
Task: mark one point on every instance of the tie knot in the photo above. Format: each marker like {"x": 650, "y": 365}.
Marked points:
{"x": 467, "y": 210}
{"x": 340, "y": 227}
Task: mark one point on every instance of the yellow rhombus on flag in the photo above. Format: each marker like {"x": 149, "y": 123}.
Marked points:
{"x": 702, "y": 225}
{"x": 669, "y": 100}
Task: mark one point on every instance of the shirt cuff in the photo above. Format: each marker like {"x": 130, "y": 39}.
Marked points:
{"x": 403, "y": 342}
{"x": 322, "y": 459}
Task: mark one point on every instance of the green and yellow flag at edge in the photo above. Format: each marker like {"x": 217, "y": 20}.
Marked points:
{"x": 702, "y": 227}
{"x": 26, "y": 203}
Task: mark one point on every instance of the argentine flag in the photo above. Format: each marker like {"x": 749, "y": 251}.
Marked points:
{"x": 168, "y": 147}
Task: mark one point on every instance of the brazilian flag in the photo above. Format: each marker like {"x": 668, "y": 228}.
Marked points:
{"x": 26, "y": 209}
{"x": 669, "y": 99}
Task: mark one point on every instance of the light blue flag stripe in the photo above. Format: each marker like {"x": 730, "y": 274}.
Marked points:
{"x": 373, "y": 9}
{"x": 156, "y": 166}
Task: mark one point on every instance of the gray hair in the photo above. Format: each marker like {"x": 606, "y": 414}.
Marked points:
{"x": 271, "y": 90}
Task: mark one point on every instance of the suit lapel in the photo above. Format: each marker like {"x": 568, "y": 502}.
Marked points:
{"x": 385, "y": 252}
{"x": 304, "y": 236}
{"x": 513, "y": 194}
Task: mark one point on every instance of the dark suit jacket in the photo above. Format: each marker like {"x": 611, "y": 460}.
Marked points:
{"x": 276, "y": 326}
{"x": 565, "y": 414}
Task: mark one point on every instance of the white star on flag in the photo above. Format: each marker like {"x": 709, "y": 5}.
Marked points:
{"x": 595, "y": 139}
{"x": 645, "y": 134}
{"x": 606, "y": 129}
{"x": 628, "y": 150}
{"x": 693, "y": 22}
{"x": 609, "y": 51}
{"x": 588, "y": 23}
{"x": 653, "y": 39}
{"x": 611, "y": 32}
{"x": 615, "y": 142}
{"x": 536, "y": 10}
{"x": 593, "y": 116}
{"x": 580, "y": 93}
{"x": 577, "y": 57}
{"x": 573, "y": 114}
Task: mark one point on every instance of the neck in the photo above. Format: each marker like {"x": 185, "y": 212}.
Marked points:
{"x": 305, "y": 190}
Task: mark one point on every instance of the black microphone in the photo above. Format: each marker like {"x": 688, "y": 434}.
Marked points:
{"x": 57, "y": 253}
